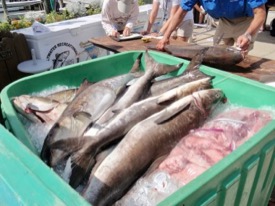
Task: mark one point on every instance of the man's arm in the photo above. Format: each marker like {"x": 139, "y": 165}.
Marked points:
{"x": 132, "y": 20}
{"x": 152, "y": 17}
{"x": 173, "y": 24}
{"x": 172, "y": 14}
{"x": 107, "y": 25}
{"x": 259, "y": 18}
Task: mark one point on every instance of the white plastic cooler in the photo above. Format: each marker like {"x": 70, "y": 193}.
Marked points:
{"x": 67, "y": 41}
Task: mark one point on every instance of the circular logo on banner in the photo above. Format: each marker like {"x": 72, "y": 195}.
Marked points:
{"x": 62, "y": 54}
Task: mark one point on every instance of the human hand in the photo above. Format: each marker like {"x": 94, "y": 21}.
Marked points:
{"x": 126, "y": 31}
{"x": 161, "y": 44}
{"x": 243, "y": 42}
{"x": 115, "y": 33}
{"x": 203, "y": 12}
{"x": 144, "y": 32}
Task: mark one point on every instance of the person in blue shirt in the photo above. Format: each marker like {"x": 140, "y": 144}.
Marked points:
{"x": 239, "y": 20}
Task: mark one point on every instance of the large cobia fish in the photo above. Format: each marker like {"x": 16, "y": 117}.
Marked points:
{"x": 139, "y": 88}
{"x": 191, "y": 73}
{"x": 144, "y": 143}
{"x": 83, "y": 160}
{"x": 88, "y": 105}
{"x": 217, "y": 54}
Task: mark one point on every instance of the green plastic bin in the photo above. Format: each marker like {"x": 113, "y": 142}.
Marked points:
{"x": 25, "y": 180}
{"x": 245, "y": 177}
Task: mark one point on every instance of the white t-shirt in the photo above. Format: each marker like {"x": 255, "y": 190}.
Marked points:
{"x": 113, "y": 19}
{"x": 166, "y": 6}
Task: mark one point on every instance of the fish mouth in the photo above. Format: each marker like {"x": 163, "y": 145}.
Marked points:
{"x": 221, "y": 100}
{"x": 237, "y": 50}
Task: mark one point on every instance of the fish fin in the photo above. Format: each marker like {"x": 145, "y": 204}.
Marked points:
{"x": 45, "y": 153}
{"x": 82, "y": 164}
{"x": 82, "y": 115}
{"x": 169, "y": 114}
{"x": 166, "y": 68}
{"x": 159, "y": 68}
{"x": 165, "y": 98}
{"x": 136, "y": 66}
{"x": 70, "y": 145}
{"x": 84, "y": 85}
{"x": 148, "y": 60}
{"x": 199, "y": 74}
{"x": 197, "y": 60}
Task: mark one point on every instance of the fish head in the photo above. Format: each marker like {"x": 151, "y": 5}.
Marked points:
{"x": 35, "y": 103}
{"x": 237, "y": 52}
{"x": 22, "y": 101}
{"x": 21, "y": 104}
{"x": 226, "y": 55}
{"x": 207, "y": 100}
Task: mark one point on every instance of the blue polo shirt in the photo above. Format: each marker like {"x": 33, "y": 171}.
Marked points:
{"x": 225, "y": 8}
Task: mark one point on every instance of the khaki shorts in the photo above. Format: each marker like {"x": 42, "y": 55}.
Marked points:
{"x": 185, "y": 29}
{"x": 231, "y": 29}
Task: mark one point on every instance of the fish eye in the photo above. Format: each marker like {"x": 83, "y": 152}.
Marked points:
{"x": 218, "y": 95}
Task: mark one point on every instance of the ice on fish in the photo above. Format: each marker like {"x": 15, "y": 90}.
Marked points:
{"x": 196, "y": 152}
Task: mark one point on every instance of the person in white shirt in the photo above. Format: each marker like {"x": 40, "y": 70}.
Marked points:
{"x": 119, "y": 16}
{"x": 169, "y": 7}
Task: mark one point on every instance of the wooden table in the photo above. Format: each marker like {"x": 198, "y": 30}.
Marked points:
{"x": 252, "y": 67}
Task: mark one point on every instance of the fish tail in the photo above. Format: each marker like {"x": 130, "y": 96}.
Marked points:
{"x": 158, "y": 68}
{"x": 45, "y": 154}
{"x": 69, "y": 145}
{"x": 196, "y": 60}
{"x": 136, "y": 66}
{"x": 82, "y": 164}
{"x": 65, "y": 147}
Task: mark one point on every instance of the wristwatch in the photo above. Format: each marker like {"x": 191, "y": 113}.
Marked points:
{"x": 248, "y": 36}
